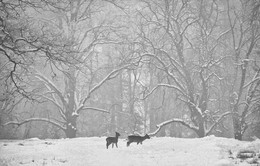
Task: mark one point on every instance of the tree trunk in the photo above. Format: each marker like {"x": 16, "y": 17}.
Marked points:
{"x": 70, "y": 83}
{"x": 27, "y": 130}
{"x": 145, "y": 115}
{"x": 112, "y": 127}
{"x": 237, "y": 128}
{"x": 71, "y": 128}
{"x": 201, "y": 131}
{"x": 70, "y": 132}
{"x": 238, "y": 135}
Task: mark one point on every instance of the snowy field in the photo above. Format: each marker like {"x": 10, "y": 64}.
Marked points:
{"x": 209, "y": 151}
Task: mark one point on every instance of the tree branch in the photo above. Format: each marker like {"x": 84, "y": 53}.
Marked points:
{"x": 56, "y": 104}
{"x": 35, "y": 119}
{"x": 51, "y": 85}
{"x": 96, "y": 109}
{"x": 108, "y": 77}
{"x": 159, "y": 126}
{"x": 168, "y": 86}
{"x": 217, "y": 122}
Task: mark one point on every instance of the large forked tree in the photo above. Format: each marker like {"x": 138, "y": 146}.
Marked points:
{"x": 75, "y": 32}
{"x": 243, "y": 18}
{"x": 182, "y": 39}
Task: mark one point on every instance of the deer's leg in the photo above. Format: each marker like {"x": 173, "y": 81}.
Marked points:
{"x": 107, "y": 145}
{"x": 112, "y": 145}
{"x": 116, "y": 145}
{"x": 128, "y": 143}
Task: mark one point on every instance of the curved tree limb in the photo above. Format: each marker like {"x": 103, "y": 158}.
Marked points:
{"x": 168, "y": 86}
{"x": 96, "y": 109}
{"x": 51, "y": 85}
{"x": 56, "y": 104}
{"x": 174, "y": 120}
{"x": 35, "y": 119}
{"x": 111, "y": 75}
{"x": 165, "y": 68}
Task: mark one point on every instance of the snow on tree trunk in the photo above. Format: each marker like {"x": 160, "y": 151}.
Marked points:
{"x": 71, "y": 127}
{"x": 238, "y": 135}
{"x": 70, "y": 87}
{"x": 237, "y": 128}
{"x": 70, "y": 132}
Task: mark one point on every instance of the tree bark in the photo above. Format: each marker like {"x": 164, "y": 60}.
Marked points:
{"x": 70, "y": 132}
{"x": 201, "y": 131}
{"x": 71, "y": 127}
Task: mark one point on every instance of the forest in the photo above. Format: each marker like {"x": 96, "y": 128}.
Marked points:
{"x": 84, "y": 68}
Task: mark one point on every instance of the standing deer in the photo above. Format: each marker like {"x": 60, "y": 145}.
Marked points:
{"x": 112, "y": 140}
{"x": 136, "y": 138}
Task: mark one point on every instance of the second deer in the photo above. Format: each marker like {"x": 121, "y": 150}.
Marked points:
{"x": 136, "y": 138}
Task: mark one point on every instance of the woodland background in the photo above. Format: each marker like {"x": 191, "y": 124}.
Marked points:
{"x": 179, "y": 68}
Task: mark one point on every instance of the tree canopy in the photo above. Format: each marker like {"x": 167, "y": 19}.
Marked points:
{"x": 168, "y": 67}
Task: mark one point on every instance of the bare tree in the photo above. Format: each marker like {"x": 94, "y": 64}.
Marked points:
{"x": 19, "y": 46}
{"x": 245, "y": 37}
{"x": 76, "y": 34}
{"x": 181, "y": 39}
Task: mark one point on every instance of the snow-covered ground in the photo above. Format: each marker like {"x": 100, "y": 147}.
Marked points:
{"x": 208, "y": 151}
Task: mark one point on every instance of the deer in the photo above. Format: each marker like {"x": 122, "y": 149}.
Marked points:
{"x": 136, "y": 138}
{"x": 112, "y": 140}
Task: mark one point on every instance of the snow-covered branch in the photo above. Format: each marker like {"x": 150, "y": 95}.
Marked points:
{"x": 174, "y": 62}
{"x": 251, "y": 82}
{"x": 35, "y": 119}
{"x": 213, "y": 74}
{"x": 108, "y": 77}
{"x": 56, "y": 104}
{"x": 217, "y": 122}
{"x": 168, "y": 86}
{"x": 165, "y": 68}
{"x": 174, "y": 120}
{"x": 196, "y": 106}
{"x": 51, "y": 85}
{"x": 8, "y": 107}
{"x": 96, "y": 109}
